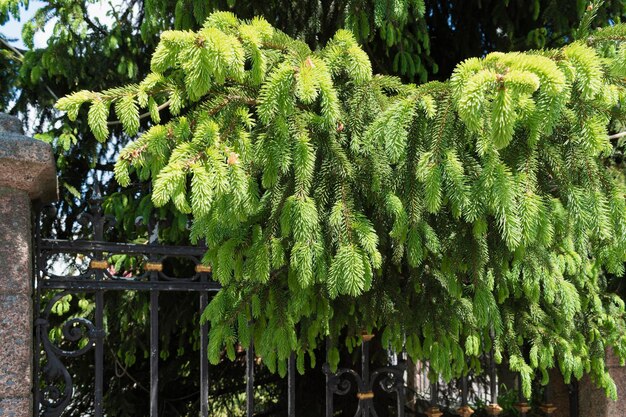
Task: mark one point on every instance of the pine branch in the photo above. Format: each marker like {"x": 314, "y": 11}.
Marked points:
{"x": 20, "y": 57}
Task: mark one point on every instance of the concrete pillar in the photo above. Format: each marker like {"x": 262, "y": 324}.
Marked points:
{"x": 27, "y": 174}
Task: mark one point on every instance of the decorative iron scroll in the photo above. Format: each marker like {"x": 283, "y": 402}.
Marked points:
{"x": 389, "y": 378}
{"x": 56, "y": 392}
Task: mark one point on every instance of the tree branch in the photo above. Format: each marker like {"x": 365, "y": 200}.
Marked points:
{"x": 20, "y": 57}
{"x": 141, "y": 116}
{"x": 617, "y": 135}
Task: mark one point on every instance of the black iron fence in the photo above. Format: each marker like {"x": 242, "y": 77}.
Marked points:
{"x": 66, "y": 268}
{"x": 95, "y": 274}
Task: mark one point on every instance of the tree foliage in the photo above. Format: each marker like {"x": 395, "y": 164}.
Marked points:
{"x": 416, "y": 39}
{"x": 332, "y": 199}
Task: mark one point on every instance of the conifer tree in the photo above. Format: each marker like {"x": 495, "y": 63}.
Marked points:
{"x": 332, "y": 199}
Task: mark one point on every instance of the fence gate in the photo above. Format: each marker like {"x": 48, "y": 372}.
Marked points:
{"x": 86, "y": 267}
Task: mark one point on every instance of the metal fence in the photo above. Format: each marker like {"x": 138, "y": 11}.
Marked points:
{"x": 69, "y": 267}
{"x": 87, "y": 266}
{"x": 94, "y": 274}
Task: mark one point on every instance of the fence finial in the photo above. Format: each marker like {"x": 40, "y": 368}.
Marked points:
{"x": 465, "y": 411}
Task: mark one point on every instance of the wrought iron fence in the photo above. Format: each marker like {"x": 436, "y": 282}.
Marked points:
{"x": 477, "y": 389}
{"x": 67, "y": 267}
{"x": 94, "y": 273}
{"x": 88, "y": 266}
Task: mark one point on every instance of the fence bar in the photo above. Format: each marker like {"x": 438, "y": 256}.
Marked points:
{"x": 204, "y": 360}
{"x": 98, "y": 245}
{"x": 250, "y": 378}
{"x": 401, "y": 397}
{"x": 433, "y": 410}
{"x": 547, "y": 407}
{"x": 365, "y": 367}
{"x": 434, "y": 393}
{"x": 329, "y": 393}
{"x": 464, "y": 410}
{"x": 127, "y": 285}
{"x": 99, "y": 352}
{"x": 492, "y": 370}
{"x": 573, "y": 399}
{"x": 99, "y": 324}
{"x": 493, "y": 380}
{"x": 464, "y": 390}
{"x": 493, "y": 409}
{"x": 154, "y": 353}
{"x": 291, "y": 385}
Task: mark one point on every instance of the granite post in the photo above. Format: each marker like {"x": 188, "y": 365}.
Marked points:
{"x": 559, "y": 394}
{"x": 592, "y": 400}
{"x": 27, "y": 175}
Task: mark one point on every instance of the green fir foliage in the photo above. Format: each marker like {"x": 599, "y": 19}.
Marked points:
{"x": 332, "y": 199}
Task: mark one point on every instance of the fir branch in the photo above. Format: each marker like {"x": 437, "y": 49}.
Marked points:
{"x": 505, "y": 156}
{"x": 20, "y": 57}
{"x": 142, "y": 115}
{"x": 617, "y": 135}
{"x": 231, "y": 99}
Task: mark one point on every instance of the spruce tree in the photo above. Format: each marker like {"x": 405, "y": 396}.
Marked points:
{"x": 334, "y": 200}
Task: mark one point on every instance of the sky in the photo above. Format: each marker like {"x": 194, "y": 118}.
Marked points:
{"x": 13, "y": 28}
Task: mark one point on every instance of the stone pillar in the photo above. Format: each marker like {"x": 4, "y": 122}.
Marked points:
{"x": 559, "y": 395}
{"x": 27, "y": 174}
{"x": 593, "y": 402}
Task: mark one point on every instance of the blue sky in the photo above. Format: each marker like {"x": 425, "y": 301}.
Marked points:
{"x": 13, "y": 28}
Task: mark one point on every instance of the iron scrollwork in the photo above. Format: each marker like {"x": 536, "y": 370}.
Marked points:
{"x": 56, "y": 393}
{"x": 390, "y": 379}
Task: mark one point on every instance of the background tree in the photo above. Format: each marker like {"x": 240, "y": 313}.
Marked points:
{"x": 414, "y": 40}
